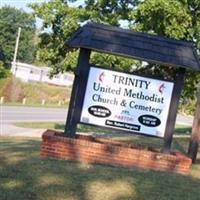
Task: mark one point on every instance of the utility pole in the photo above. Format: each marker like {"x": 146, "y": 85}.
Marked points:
{"x": 16, "y": 45}
{"x": 13, "y": 86}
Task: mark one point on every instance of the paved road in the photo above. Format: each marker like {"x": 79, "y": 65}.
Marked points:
{"x": 185, "y": 120}
{"x": 12, "y": 114}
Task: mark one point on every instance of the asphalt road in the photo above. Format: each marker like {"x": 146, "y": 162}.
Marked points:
{"x": 11, "y": 114}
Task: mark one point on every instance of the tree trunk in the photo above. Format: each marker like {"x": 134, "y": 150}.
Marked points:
{"x": 194, "y": 140}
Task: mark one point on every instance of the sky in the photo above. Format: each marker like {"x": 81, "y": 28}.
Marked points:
{"x": 22, "y": 4}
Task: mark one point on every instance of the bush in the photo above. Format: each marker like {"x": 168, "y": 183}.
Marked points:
{"x": 3, "y": 72}
{"x": 187, "y": 106}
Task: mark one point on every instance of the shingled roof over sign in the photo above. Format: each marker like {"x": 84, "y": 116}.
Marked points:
{"x": 142, "y": 46}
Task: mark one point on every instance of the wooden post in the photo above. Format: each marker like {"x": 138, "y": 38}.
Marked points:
{"x": 1, "y": 100}
{"x": 78, "y": 92}
{"x": 24, "y": 101}
{"x": 171, "y": 120}
{"x": 195, "y": 137}
{"x": 59, "y": 103}
{"x": 43, "y": 102}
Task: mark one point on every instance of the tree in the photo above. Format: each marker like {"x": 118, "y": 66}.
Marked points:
{"x": 178, "y": 19}
{"x": 115, "y": 13}
{"x": 111, "y": 12}
{"x": 10, "y": 19}
{"x": 3, "y": 72}
{"x": 59, "y": 22}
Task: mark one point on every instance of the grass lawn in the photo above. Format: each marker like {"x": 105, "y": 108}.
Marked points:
{"x": 24, "y": 176}
{"x": 140, "y": 140}
{"x": 14, "y": 90}
{"x": 180, "y": 129}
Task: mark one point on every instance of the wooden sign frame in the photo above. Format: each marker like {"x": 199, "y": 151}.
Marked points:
{"x": 181, "y": 55}
{"x": 78, "y": 93}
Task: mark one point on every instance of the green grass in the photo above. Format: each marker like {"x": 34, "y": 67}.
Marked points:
{"x": 24, "y": 176}
{"x": 140, "y": 140}
{"x": 41, "y": 125}
{"x": 14, "y": 91}
{"x": 180, "y": 129}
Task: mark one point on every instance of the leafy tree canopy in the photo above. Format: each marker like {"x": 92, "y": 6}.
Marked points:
{"x": 3, "y": 72}
{"x": 61, "y": 19}
{"x": 10, "y": 19}
{"x": 178, "y": 19}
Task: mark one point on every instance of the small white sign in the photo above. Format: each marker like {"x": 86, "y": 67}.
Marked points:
{"x": 127, "y": 102}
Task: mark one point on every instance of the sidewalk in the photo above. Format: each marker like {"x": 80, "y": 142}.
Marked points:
{"x": 11, "y": 130}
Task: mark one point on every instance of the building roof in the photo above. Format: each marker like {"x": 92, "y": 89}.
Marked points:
{"x": 142, "y": 46}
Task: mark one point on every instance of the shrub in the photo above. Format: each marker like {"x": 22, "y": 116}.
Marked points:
{"x": 3, "y": 72}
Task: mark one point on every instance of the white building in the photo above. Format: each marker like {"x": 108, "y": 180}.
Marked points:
{"x": 30, "y": 73}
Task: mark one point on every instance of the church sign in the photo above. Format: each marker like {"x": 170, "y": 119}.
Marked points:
{"x": 123, "y": 101}
{"x": 127, "y": 102}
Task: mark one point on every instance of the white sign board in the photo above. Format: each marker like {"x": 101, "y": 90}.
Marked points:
{"x": 127, "y": 102}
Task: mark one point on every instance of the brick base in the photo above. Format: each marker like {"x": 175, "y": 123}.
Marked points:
{"x": 95, "y": 150}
